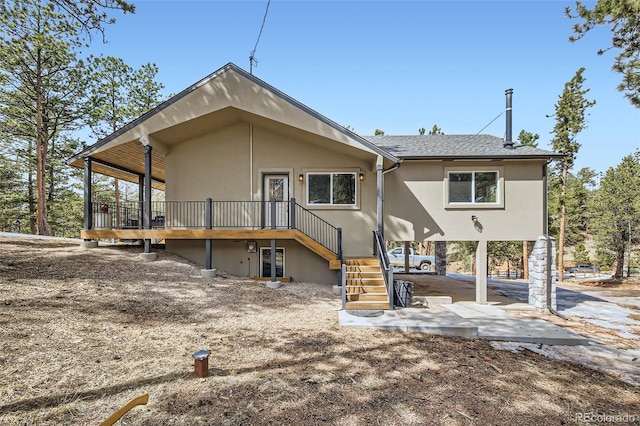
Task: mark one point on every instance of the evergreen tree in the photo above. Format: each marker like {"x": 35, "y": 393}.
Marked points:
{"x": 528, "y": 138}
{"x": 570, "y": 114}
{"x": 580, "y": 254}
{"x": 623, "y": 18}
{"x": 93, "y": 14}
{"x": 41, "y": 83}
{"x": 616, "y": 210}
{"x": 117, "y": 94}
{"x": 13, "y": 209}
{"x": 435, "y": 130}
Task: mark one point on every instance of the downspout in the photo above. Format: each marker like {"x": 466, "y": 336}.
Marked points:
{"x": 251, "y": 160}
{"x": 380, "y": 172}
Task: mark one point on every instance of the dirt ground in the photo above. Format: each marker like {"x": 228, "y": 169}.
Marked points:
{"x": 83, "y": 332}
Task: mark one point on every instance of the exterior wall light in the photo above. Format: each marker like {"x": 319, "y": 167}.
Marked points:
{"x": 361, "y": 176}
{"x": 474, "y": 218}
{"x": 301, "y": 177}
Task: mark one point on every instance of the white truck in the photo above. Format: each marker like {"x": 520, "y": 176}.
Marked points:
{"x": 423, "y": 262}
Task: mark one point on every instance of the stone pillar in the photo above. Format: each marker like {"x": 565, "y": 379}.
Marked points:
{"x": 542, "y": 269}
{"x": 441, "y": 257}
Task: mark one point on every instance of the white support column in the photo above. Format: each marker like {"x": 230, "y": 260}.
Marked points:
{"x": 481, "y": 273}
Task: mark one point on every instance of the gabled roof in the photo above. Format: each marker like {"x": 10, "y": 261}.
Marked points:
{"x": 442, "y": 147}
{"x": 164, "y": 115}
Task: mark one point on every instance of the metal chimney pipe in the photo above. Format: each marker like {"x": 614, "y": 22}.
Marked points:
{"x": 508, "y": 143}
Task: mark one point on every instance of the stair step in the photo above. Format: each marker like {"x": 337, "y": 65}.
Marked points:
{"x": 367, "y": 305}
{"x": 368, "y": 284}
{"x": 363, "y": 268}
{"x": 365, "y": 289}
{"x": 364, "y": 277}
{"x": 364, "y": 284}
{"x": 368, "y": 261}
{"x": 364, "y": 273}
{"x": 362, "y": 297}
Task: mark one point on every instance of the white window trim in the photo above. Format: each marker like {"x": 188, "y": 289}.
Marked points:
{"x": 355, "y": 205}
{"x": 498, "y": 204}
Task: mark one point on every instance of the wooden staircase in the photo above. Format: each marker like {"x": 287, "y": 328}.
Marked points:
{"x": 365, "y": 285}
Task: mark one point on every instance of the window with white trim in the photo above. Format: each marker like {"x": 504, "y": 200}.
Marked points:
{"x": 473, "y": 187}
{"x": 331, "y": 189}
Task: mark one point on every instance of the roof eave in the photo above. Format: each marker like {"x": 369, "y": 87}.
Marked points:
{"x": 231, "y": 66}
{"x": 482, "y": 157}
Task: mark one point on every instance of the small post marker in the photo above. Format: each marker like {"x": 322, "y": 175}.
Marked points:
{"x": 201, "y": 363}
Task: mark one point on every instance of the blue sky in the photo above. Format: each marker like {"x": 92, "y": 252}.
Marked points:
{"x": 395, "y": 66}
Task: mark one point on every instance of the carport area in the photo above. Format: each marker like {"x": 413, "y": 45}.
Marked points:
{"x": 438, "y": 286}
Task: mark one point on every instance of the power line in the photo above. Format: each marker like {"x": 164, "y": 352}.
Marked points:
{"x": 252, "y": 58}
{"x": 497, "y": 116}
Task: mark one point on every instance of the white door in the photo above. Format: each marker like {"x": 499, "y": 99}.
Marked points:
{"x": 276, "y": 187}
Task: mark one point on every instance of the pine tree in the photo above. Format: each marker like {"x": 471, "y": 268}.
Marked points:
{"x": 570, "y": 114}
{"x": 616, "y": 210}
{"x": 41, "y": 83}
{"x": 623, "y": 18}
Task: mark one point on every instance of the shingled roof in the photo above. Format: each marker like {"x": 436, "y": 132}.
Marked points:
{"x": 456, "y": 147}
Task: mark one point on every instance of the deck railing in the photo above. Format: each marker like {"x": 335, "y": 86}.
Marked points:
{"x": 224, "y": 215}
{"x": 318, "y": 229}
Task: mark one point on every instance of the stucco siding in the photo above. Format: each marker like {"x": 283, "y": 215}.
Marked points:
{"x": 232, "y": 257}
{"x": 415, "y": 204}
{"x": 231, "y": 164}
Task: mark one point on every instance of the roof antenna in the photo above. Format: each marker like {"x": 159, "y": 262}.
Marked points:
{"x": 252, "y": 57}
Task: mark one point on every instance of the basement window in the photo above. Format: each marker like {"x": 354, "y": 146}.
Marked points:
{"x": 478, "y": 188}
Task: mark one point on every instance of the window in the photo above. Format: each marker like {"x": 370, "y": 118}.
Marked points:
{"x": 331, "y": 189}
{"x": 265, "y": 265}
{"x": 473, "y": 187}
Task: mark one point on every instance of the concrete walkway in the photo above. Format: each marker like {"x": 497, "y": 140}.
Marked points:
{"x": 464, "y": 319}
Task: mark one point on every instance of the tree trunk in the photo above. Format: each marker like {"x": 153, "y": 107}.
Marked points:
{"x": 41, "y": 156}
{"x": 619, "y": 264}
{"x": 31, "y": 199}
{"x": 525, "y": 260}
{"x": 563, "y": 217}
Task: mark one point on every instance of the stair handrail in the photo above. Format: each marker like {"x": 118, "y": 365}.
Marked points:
{"x": 387, "y": 269}
{"x": 343, "y": 283}
{"x": 318, "y": 229}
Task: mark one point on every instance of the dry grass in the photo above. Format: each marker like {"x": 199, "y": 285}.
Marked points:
{"x": 83, "y": 332}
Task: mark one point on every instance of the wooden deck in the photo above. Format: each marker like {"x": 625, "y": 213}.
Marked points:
{"x": 216, "y": 234}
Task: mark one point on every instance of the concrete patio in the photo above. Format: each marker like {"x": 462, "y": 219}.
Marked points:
{"x": 446, "y": 306}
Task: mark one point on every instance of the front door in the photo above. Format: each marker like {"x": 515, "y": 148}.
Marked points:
{"x": 277, "y": 187}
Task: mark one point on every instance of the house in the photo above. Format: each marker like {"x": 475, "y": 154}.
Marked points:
{"x": 258, "y": 184}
